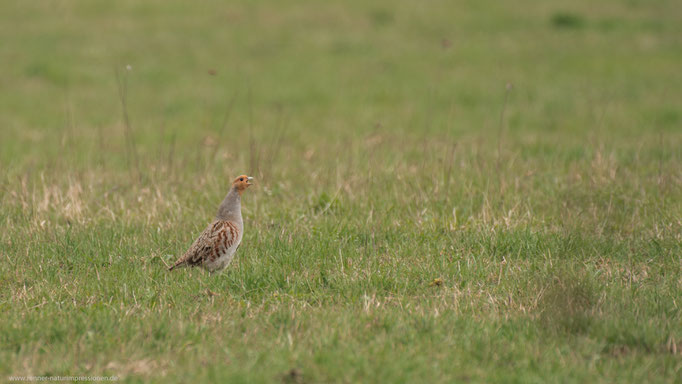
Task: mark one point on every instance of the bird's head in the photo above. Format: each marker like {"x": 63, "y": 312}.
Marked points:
{"x": 241, "y": 183}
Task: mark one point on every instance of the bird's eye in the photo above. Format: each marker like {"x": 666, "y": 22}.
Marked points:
{"x": 241, "y": 179}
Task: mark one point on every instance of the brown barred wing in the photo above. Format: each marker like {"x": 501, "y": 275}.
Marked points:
{"x": 215, "y": 240}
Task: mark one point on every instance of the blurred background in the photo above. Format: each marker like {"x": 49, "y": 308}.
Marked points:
{"x": 210, "y": 75}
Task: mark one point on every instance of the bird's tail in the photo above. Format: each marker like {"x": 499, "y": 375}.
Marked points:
{"x": 178, "y": 264}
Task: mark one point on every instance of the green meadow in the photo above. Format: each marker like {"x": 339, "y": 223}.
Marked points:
{"x": 446, "y": 191}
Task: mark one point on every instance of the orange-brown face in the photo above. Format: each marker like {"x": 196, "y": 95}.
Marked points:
{"x": 242, "y": 182}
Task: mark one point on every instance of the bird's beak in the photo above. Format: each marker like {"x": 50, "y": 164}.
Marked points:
{"x": 249, "y": 180}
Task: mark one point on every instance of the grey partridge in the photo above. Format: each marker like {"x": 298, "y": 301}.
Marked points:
{"x": 214, "y": 249}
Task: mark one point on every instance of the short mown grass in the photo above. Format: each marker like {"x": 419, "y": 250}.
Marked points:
{"x": 446, "y": 192}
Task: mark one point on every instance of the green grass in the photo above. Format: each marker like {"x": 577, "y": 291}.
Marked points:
{"x": 528, "y": 154}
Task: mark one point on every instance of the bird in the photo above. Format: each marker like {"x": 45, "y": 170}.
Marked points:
{"x": 214, "y": 249}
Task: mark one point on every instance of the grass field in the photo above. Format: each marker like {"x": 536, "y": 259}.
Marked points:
{"x": 447, "y": 191}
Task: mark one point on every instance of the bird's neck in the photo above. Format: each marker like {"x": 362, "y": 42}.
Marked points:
{"x": 231, "y": 207}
